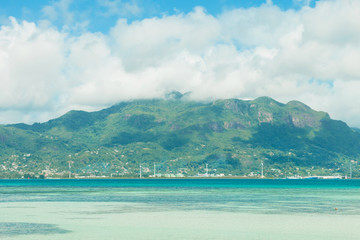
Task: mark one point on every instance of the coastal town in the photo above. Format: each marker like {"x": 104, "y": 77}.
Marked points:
{"x": 15, "y": 168}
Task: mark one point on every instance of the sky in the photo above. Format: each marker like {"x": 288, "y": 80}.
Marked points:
{"x": 61, "y": 55}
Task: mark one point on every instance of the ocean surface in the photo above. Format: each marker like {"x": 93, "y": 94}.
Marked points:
{"x": 180, "y": 209}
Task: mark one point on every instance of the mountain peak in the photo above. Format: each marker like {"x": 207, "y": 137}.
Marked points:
{"x": 298, "y": 104}
{"x": 267, "y": 100}
{"x": 230, "y": 134}
{"x": 173, "y": 95}
{"x": 176, "y": 95}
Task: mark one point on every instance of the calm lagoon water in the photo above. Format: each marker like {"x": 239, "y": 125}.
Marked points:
{"x": 180, "y": 209}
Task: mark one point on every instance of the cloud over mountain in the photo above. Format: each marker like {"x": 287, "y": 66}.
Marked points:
{"x": 310, "y": 54}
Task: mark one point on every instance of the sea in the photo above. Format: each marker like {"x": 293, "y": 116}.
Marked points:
{"x": 180, "y": 209}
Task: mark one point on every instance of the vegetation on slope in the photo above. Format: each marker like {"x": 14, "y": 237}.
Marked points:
{"x": 231, "y": 136}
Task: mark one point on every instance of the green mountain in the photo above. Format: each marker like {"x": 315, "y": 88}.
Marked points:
{"x": 180, "y": 137}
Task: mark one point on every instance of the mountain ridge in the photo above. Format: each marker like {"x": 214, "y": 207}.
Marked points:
{"x": 233, "y": 136}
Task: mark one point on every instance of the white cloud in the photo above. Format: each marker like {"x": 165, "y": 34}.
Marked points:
{"x": 151, "y": 42}
{"x": 252, "y": 27}
{"x": 59, "y": 11}
{"x": 311, "y": 55}
{"x": 120, "y": 8}
{"x": 31, "y": 65}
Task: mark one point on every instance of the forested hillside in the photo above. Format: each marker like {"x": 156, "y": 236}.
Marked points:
{"x": 180, "y": 137}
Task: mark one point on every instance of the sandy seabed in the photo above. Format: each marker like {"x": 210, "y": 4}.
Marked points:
{"x": 115, "y": 220}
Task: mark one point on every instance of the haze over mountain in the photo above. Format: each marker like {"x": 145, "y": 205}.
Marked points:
{"x": 232, "y": 136}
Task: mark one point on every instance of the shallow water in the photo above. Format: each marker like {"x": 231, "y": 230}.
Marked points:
{"x": 179, "y": 209}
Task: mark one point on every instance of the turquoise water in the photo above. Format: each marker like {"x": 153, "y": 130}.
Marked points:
{"x": 179, "y": 209}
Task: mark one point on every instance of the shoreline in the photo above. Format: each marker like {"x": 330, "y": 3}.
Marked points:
{"x": 178, "y": 178}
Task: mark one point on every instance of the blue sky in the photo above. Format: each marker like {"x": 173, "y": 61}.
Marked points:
{"x": 101, "y": 18}
{"x": 61, "y": 55}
